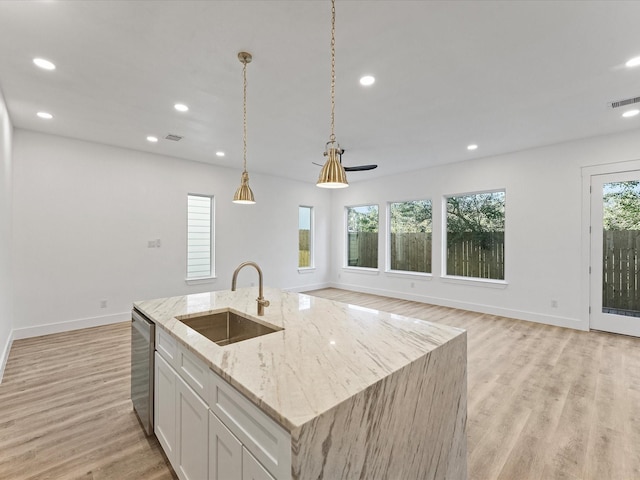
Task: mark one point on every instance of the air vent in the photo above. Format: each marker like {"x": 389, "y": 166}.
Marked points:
{"x": 623, "y": 103}
{"x": 175, "y": 138}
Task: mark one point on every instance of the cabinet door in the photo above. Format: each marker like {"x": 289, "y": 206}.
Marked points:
{"x": 225, "y": 452}
{"x": 251, "y": 468}
{"x": 165, "y": 406}
{"x": 192, "y": 433}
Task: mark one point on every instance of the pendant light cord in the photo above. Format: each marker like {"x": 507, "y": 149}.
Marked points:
{"x": 332, "y": 137}
{"x": 244, "y": 113}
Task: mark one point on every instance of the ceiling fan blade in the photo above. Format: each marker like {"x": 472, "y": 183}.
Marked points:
{"x": 360, "y": 168}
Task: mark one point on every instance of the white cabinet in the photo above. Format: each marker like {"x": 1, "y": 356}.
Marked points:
{"x": 252, "y": 469}
{"x": 191, "y": 433}
{"x": 225, "y": 452}
{"x": 181, "y": 422}
{"x": 209, "y": 430}
{"x": 165, "y": 406}
{"x": 228, "y": 458}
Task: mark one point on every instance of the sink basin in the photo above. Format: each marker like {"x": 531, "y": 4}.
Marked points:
{"x": 225, "y": 328}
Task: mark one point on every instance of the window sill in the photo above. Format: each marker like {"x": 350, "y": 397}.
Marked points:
{"x": 306, "y": 269}
{"x": 365, "y": 270}
{"x": 478, "y": 282}
{"x": 200, "y": 280}
{"x": 408, "y": 274}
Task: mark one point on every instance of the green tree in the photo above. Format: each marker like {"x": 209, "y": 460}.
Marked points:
{"x": 621, "y": 206}
{"x": 411, "y": 217}
{"x": 362, "y": 219}
{"x": 476, "y": 215}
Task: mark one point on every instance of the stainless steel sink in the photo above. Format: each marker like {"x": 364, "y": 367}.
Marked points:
{"x": 225, "y": 328}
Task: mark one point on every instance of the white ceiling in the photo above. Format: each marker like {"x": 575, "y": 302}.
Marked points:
{"x": 505, "y": 75}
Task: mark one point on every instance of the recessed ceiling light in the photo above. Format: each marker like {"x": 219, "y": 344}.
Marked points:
{"x": 634, "y": 62}
{"x": 630, "y": 113}
{"x": 219, "y": 154}
{"x": 473, "y": 146}
{"x": 181, "y": 107}
{"x": 45, "y": 115}
{"x": 367, "y": 80}
{"x": 152, "y": 139}
{"x": 45, "y": 64}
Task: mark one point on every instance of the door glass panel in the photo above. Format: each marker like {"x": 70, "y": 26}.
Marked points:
{"x": 621, "y": 248}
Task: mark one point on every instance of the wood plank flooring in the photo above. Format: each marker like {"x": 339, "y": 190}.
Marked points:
{"x": 65, "y": 410}
{"x": 544, "y": 402}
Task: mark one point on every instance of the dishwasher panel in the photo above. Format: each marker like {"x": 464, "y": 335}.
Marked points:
{"x": 142, "y": 349}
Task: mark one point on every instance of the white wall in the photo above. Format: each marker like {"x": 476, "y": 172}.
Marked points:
{"x": 84, "y": 212}
{"x": 6, "y": 196}
{"x": 544, "y": 232}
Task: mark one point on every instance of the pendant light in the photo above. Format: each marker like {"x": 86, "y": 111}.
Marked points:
{"x": 333, "y": 174}
{"x": 243, "y": 194}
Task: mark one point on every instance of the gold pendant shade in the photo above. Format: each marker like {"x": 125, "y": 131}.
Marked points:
{"x": 332, "y": 174}
{"x": 243, "y": 194}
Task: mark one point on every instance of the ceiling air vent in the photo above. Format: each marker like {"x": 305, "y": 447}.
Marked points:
{"x": 623, "y": 103}
{"x": 175, "y": 138}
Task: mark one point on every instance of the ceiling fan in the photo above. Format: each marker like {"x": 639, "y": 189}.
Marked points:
{"x": 357, "y": 168}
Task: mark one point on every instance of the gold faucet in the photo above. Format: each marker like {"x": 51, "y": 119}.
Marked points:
{"x": 261, "y": 301}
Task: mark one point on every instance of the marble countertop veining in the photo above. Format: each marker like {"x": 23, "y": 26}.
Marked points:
{"x": 326, "y": 353}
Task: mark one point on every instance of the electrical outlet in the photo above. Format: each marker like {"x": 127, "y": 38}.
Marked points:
{"x": 413, "y": 285}
{"x": 554, "y": 303}
{"x": 151, "y": 244}
{"x": 158, "y": 243}
{"x": 103, "y": 304}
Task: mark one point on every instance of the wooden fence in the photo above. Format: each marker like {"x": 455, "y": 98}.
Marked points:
{"x": 304, "y": 253}
{"x": 468, "y": 254}
{"x": 478, "y": 255}
{"x": 411, "y": 252}
{"x": 621, "y": 271}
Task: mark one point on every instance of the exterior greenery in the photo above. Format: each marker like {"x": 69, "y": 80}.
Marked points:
{"x": 410, "y": 236}
{"x": 621, "y": 206}
{"x": 475, "y": 235}
{"x": 362, "y": 236}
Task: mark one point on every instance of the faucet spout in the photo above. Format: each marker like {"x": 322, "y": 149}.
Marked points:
{"x": 261, "y": 301}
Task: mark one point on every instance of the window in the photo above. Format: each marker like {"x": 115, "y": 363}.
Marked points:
{"x": 475, "y": 235}
{"x": 305, "y": 237}
{"x": 362, "y": 236}
{"x": 410, "y": 236}
{"x": 199, "y": 236}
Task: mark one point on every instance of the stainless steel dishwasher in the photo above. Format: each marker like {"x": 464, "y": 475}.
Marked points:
{"x": 143, "y": 333}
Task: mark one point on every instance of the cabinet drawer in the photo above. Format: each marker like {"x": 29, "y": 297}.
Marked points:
{"x": 193, "y": 371}
{"x": 264, "y": 438}
{"x": 166, "y": 346}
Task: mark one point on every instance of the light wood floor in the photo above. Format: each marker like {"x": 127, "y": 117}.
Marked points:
{"x": 544, "y": 402}
{"x": 65, "y": 410}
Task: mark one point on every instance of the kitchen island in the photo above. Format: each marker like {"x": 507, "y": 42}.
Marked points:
{"x": 358, "y": 393}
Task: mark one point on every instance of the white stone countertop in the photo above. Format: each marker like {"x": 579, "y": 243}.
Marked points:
{"x": 326, "y": 353}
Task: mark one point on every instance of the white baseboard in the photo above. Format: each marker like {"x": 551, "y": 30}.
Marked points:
{"x": 306, "y": 288}
{"x": 557, "y": 321}
{"x": 46, "y": 329}
{"x": 5, "y": 354}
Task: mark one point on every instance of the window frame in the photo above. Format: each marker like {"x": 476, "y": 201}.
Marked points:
{"x": 403, "y": 273}
{"x": 346, "y": 266}
{"x": 212, "y": 267}
{"x": 488, "y": 282}
{"x": 312, "y": 263}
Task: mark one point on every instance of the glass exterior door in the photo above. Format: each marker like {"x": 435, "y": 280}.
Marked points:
{"x": 615, "y": 253}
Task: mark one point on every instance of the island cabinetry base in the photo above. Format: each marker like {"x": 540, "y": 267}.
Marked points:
{"x": 181, "y": 423}
{"x": 200, "y": 445}
{"x": 228, "y": 459}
